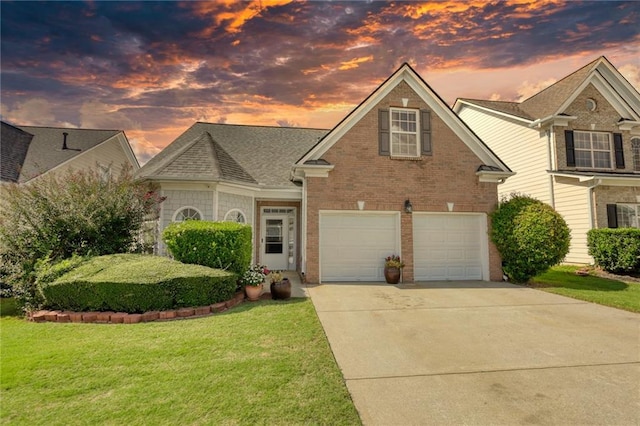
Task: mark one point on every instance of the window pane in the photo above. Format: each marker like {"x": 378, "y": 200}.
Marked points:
{"x": 635, "y": 149}
{"x": 602, "y": 159}
{"x": 583, "y": 159}
{"x": 628, "y": 216}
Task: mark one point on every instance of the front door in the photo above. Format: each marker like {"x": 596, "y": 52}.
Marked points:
{"x": 275, "y": 241}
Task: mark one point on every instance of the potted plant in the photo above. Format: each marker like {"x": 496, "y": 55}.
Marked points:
{"x": 280, "y": 286}
{"x": 393, "y": 269}
{"x": 253, "y": 281}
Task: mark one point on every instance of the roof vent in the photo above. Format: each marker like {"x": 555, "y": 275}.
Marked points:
{"x": 64, "y": 140}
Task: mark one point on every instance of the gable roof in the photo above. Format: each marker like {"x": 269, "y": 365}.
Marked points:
{"x": 13, "y": 151}
{"x": 554, "y": 99}
{"x": 46, "y": 148}
{"x": 407, "y": 74}
{"x": 256, "y": 155}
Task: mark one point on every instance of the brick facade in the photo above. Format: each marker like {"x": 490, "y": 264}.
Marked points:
{"x": 384, "y": 183}
{"x": 613, "y": 195}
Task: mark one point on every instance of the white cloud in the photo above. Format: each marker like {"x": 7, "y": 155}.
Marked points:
{"x": 97, "y": 115}
{"x": 32, "y": 112}
{"x": 526, "y": 89}
{"x": 632, "y": 73}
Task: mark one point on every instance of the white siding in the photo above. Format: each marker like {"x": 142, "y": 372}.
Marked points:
{"x": 524, "y": 150}
{"x": 109, "y": 153}
{"x": 228, "y": 202}
{"x": 573, "y": 204}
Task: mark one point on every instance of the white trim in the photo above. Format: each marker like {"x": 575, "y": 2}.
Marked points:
{"x": 461, "y": 103}
{"x": 294, "y": 215}
{"x": 173, "y": 218}
{"x": 128, "y": 151}
{"x": 406, "y": 74}
{"x": 484, "y": 238}
{"x": 417, "y": 133}
{"x": 234, "y": 210}
{"x": 321, "y": 213}
{"x": 493, "y": 176}
{"x": 611, "y": 150}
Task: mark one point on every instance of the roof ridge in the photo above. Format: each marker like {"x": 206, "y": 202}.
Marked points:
{"x": 227, "y": 164}
{"x": 69, "y": 128}
{"x": 260, "y": 125}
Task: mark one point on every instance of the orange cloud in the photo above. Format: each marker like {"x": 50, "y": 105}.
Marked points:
{"x": 354, "y": 63}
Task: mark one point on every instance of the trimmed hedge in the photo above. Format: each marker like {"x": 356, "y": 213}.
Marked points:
{"x": 222, "y": 245}
{"x": 530, "y": 236}
{"x": 136, "y": 283}
{"x": 615, "y": 250}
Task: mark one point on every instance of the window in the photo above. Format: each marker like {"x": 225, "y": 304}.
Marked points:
{"x": 635, "y": 149}
{"x": 235, "y": 215}
{"x": 593, "y": 150}
{"x": 628, "y": 215}
{"x": 404, "y": 133}
{"x": 187, "y": 213}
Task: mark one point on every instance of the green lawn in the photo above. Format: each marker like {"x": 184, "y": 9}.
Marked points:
{"x": 266, "y": 363}
{"x": 563, "y": 280}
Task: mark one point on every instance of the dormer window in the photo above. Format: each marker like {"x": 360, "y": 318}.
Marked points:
{"x": 404, "y": 133}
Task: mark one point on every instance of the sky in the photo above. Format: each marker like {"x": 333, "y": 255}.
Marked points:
{"x": 153, "y": 69}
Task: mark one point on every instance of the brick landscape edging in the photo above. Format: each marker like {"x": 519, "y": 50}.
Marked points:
{"x": 125, "y": 318}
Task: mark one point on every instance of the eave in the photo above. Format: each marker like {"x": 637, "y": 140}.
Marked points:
{"x": 493, "y": 176}
{"x": 552, "y": 120}
{"x": 597, "y": 179}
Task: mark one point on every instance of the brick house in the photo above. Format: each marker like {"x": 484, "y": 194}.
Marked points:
{"x": 574, "y": 145}
{"x": 401, "y": 174}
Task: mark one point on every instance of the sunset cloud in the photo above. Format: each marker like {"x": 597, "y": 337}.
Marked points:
{"x": 153, "y": 68}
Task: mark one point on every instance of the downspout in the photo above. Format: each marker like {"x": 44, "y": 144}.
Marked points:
{"x": 590, "y": 195}
{"x": 303, "y": 228}
{"x": 551, "y": 151}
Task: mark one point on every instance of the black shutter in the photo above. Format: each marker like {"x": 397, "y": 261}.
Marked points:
{"x": 383, "y": 132}
{"x": 571, "y": 153}
{"x": 612, "y": 216}
{"x": 425, "y": 134}
{"x": 617, "y": 144}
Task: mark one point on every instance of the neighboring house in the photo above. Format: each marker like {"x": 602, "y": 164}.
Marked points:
{"x": 401, "y": 174}
{"x": 575, "y": 145}
{"x": 28, "y": 152}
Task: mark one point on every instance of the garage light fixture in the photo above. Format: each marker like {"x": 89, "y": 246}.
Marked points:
{"x": 408, "y": 208}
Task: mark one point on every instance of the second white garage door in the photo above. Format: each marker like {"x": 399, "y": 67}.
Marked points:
{"x": 353, "y": 245}
{"x": 450, "y": 247}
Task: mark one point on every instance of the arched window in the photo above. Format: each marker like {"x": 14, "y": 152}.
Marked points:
{"x": 635, "y": 149}
{"x": 235, "y": 215}
{"x": 187, "y": 213}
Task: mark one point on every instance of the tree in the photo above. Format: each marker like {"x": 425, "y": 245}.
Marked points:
{"x": 79, "y": 212}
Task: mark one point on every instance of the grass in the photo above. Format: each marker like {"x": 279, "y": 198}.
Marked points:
{"x": 563, "y": 280}
{"x": 259, "y": 363}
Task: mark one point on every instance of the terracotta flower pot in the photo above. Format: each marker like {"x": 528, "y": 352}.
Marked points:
{"x": 281, "y": 290}
{"x": 392, "y": 275}
{"x": 253, "y": 291}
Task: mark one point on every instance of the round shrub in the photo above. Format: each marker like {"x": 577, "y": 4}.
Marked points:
{"x": 222, "y": 245}
{"x": 530, "y": 236}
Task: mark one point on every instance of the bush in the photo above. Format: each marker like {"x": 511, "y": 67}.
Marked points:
{"x": 530, "y": 236}
{"x": 79, "y": 212}
{"x": 222, "y": 245}
{"x": 615, "y": 250}
{"x": 135, "y": 283}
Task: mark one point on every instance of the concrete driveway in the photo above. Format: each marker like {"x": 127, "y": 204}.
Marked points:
{"x": 481, "y": 354}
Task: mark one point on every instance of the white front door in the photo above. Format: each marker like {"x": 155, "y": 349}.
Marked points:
{"x": 275, "y": 241}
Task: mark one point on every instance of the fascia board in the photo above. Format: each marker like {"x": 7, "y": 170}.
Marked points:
{"x": 354, "y": 117}
{"x": 607, "y": 90}
{"x": 128, "y": 151}
{"x": 462, "y": 104}
{"x": 455, "y": 123}
{"x": 493, "y": 176}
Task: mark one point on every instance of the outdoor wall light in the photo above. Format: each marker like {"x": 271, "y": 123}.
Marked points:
{"x": 408, "y": 208}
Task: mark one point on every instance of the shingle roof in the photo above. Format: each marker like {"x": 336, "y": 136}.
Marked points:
{"x": 14, "y": 144}
{"x": 546, "y": 102}
{"x": 247, "y": 154}
{"x": 45, "y": 151}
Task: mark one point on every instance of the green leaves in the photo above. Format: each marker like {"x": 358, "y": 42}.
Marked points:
{"x": 222, "y": 245}
{"x": 615, "y": 250}
{"x": 530, "y": 236}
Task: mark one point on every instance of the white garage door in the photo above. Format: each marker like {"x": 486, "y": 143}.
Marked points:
{"x": 449, "y": 247}
{"x": 353, "y": 245}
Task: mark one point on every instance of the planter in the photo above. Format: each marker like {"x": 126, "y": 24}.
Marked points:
{"x": 253, "y": 292}
{"x": 281, "y": 290}
{"x": 392, "y": 275}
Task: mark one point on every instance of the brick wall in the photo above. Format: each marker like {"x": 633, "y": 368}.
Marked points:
{"x": 613, "y": 195}
{"x": 448, "y": 175}
{"x": 603, "y": 119}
